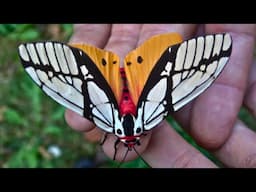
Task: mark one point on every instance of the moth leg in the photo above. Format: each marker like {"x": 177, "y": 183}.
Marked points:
{"x": 115, "y": 146}
{"x": 104, "y": 138}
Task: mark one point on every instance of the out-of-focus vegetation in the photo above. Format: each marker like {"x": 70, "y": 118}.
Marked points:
{"x": 33, "y": 132}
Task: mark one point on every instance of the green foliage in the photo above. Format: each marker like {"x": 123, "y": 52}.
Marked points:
{"x": 26, "y": 156}
{"x": 53, "y": 130}
{"x": 247, "y": 118}
{"x": 23, "y": 32}
{"x": 13, "y": 117}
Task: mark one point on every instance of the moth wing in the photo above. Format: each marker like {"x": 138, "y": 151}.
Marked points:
{"x": 181, "y": 74}
{"x": 139, "y": 63}
{"x": 70, "y": 76}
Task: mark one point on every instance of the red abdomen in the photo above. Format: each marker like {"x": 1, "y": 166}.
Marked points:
{"x": 126, "y": 105}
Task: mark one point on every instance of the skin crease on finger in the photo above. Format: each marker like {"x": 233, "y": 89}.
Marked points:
{"x": 108, "y": 148}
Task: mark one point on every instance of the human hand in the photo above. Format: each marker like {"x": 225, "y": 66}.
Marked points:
{"x": 211, "y": 119}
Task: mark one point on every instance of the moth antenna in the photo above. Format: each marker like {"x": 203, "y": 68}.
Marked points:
{"x": 139, "y": 155}
{"x": 126, "y": 153}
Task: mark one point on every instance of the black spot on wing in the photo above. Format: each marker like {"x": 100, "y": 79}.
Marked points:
{"x": 139, "y": 59}
{"x": 128, "y": 63}
{"x": 103, "y": 62}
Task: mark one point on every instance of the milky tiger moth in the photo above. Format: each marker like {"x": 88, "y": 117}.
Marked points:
{"x": 158, "y": 78}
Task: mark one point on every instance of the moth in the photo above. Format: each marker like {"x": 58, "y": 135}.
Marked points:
{"x": 157, "y": 78}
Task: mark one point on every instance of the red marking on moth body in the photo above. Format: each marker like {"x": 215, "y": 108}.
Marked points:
{"x": 130, "y": 141}
{"x": 126, "y": 105}
{"x": 129, "y": 138}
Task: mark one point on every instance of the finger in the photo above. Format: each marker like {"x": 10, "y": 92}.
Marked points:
{"x": 123, "y": 39}
{"x": 94, "y": 135}
{"x": 94, "y": 34}
{"x": 240, "y": 148}
{"x": 250, "y": 97}
{"x": 78, "y": 122}
{"x": 214, "y": 112}
{"x": 149, "y": 30}
{"x": 167, "y": 149}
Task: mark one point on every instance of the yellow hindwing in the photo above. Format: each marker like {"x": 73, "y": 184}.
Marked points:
{"x": 139, "y": 63}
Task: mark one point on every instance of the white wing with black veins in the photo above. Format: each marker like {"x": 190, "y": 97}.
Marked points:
{"x": 70, "y": 77}
{"x": 182, "y": 73}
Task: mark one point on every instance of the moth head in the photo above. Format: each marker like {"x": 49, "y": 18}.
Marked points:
{"x": 128, "y": 133}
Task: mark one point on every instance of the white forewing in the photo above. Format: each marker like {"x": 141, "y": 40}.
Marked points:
{"x": 42, "y": 53}
{"x": 56, "y": 69}
{"x": 56, "y": 86}
{"x": 101, "y": 106}
{"x": 152, "y": 110}
{"x": 210, "y": 56}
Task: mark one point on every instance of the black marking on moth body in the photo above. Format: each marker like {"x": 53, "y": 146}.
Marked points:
{"x": 128, "y": 125}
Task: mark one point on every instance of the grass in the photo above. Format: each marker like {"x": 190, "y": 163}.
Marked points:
{"x": 31, "y": 123}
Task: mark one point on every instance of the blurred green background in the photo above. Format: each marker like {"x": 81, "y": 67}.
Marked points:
{"x": 33, "y": 132}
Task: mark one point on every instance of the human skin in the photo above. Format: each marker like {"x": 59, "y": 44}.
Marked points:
{"x": 211, "y": 119}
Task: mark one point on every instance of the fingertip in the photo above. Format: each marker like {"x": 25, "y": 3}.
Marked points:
{"x": 78, "y": 122}
{"x": 93, "y": 135}
{"x": 214, "y": 115}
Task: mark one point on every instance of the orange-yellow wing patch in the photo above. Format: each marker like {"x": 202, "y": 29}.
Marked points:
{"x": 108, "y": 63}
{"x": 138, "y": 63}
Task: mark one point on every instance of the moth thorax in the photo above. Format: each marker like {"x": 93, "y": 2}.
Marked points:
{"x": 128, "y": 124}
